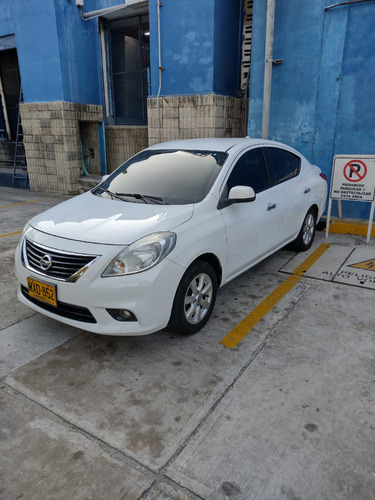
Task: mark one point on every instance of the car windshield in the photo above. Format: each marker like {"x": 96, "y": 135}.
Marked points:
{"x": 164, "y": 177}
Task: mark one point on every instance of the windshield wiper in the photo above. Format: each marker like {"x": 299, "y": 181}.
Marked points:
{"x": 114, "y": 195}
{"x": 144, "y": 197}
{"x": 137, "y": 196}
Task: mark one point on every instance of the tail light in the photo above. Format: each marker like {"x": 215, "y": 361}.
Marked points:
{"x": 323, "y": 176}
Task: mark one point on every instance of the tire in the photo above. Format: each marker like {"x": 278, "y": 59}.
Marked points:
{"x": 306, "y": 235}
{"x": 195, "y": 299}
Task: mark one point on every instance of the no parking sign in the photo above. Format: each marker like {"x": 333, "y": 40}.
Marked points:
{"x": 353, "y": 178}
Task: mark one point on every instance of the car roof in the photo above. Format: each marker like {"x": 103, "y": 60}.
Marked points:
{"x": 214, "y": 144}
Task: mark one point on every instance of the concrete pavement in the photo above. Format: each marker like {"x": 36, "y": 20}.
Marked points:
{"x": 288, "y": 413}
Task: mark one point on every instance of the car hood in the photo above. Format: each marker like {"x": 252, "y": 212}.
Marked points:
{"x": 94, "y": 219}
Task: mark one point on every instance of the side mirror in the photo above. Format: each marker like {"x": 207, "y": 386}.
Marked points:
{"x": 241, "y": 194}
{"x": 238, "y": 194}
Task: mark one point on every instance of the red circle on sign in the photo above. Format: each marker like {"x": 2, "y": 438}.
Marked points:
{"x": 350, "y": 170}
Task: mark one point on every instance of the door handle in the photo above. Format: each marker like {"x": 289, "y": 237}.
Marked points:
{"x": 307, "y": 190}
{"x": 271, "y": 207}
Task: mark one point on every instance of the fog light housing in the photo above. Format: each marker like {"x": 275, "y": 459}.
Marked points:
{"x": 122, "y": 315}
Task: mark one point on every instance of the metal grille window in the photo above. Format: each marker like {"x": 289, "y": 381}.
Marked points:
{"x": 247, "y": 31}
{"x": 127, "y": 48}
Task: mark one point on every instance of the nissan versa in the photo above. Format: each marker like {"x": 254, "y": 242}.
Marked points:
{"x": 149, "y": 246}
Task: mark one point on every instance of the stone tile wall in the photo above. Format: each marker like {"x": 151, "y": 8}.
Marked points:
{"x": 122, "y": 142}
{"x": 187, "y": 117}
{"x": 52, "y": 143}
{"x": 53, "y": 133}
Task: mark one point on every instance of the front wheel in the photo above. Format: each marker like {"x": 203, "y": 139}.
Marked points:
{"x": 307, "y": 233}
{"x": 195, "y": 298}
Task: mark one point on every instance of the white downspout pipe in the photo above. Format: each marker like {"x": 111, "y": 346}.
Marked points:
{"x": 104, "y": 71}
{"x": 268, "y": 69}
{"x": 159, "y": 4}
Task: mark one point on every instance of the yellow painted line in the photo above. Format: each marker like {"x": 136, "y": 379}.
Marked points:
{"x": 10, "y": 234}
{"x": 311, "y": 259}
{"x": 25, "y": 203}
{"x": 339, "y": 226}
{"x": 244, "y": 327}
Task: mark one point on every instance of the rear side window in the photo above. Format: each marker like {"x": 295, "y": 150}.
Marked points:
{"x": 284, "y": 164}
{"x": 250, "y": 170}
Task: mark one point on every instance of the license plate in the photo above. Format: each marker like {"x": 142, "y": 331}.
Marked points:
{"x": 42, "y": 291}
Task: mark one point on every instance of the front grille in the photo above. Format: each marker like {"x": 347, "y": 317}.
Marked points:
{"x": 64, "y": 266}
{"x": 66, "y": 310}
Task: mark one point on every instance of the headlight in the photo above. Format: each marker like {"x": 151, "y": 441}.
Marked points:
{"x": 142, "y": 254}
{"x": 27, "y": 226}
{"x": 25, "y": 229}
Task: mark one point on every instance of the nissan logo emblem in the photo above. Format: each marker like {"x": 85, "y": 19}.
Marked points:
{"x": 45, "y": 262}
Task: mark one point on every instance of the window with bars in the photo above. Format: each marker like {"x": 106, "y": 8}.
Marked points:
{"x": 128, "y": 61}
{"x": 247, "y": 30}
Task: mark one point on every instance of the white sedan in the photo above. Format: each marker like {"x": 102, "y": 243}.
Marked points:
{"x": 149, "y": 247}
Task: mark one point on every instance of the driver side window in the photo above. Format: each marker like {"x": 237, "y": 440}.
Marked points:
{"x": 250, "y": 170}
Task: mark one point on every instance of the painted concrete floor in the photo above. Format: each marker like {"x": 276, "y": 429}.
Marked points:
{"x": 288, "y": 413}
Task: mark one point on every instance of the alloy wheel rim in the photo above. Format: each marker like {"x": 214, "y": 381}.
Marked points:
{"x": 198, "y": 298}
{"x": 308, "y": 229}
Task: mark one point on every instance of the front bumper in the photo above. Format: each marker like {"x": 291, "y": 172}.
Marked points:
{"x": 148, "y": 295}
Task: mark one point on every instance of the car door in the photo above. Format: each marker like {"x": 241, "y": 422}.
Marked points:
{"x": 251, "y": 227}
{"x": 290, "y": 187}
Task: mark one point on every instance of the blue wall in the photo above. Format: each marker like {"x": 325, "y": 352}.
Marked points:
{"x": 199, "y": 45}
{"x": 58, "y": 52}
{"x": 6, "y": 18}
{"x": 323, "y": 94}
{"x": 79, "y": 51}
{"x": 38, "y": 51}
{"x": 91, "y": 5}
{"x": 187, "y": 45}
{"x": 37, "y": 45}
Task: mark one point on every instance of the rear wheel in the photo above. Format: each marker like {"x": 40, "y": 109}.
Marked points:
{"x": 307, "y": 233}
{"x": 195, "y": 298}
